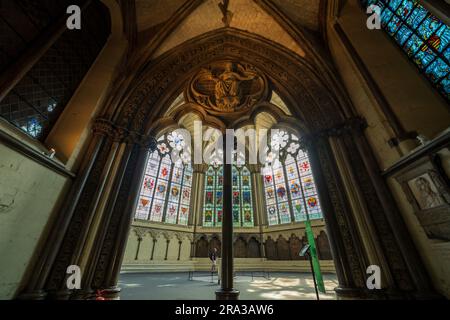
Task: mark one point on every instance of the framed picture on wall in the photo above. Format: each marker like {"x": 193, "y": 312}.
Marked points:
{"x": 428, "y": 193}
{"x": 425, "y": 192}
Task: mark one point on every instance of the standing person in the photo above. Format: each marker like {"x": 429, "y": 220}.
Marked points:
{"x": 213, "y": 258}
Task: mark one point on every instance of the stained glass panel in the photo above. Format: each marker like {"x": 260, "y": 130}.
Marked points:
{"x": 242, "y": 206}
{"x": 289, "y": 187}
{"x": 247, "y": 204}
{"x": 421, "y": 35}
{"x": 208, "y": 206}
{"x": 236, "y": 198}
{"x": 166, "y": 189}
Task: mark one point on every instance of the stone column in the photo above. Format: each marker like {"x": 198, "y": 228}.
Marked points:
{"x": 343, "y": 241}
{"x": 227, "y": 292}
{"x": 139, "y": 239}
{"x": 369, "y": 239}
{"x": 180, "y": 243}
{"x": 123, "y": 207}
{"x": 153, "y": 248}
{"x": 167, "y": 248}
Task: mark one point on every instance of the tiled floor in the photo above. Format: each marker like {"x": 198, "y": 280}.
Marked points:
{"x": 177, "y": 286}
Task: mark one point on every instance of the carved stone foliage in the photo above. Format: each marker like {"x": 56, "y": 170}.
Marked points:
{"x": 227, "y": 87}
{"x": 105, "y": 127}
{"x": 140, "y": 232}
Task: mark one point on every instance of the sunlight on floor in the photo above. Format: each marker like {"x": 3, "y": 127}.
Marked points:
{"x": 280, "y": 286}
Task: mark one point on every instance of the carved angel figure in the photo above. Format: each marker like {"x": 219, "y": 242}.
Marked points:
{"x": 226, "y": 90}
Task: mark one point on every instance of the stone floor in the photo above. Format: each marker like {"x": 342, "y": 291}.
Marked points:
{"x": 177, "y": 286}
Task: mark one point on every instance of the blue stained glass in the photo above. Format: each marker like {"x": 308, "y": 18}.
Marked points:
{"x": 394, "y": 4}
{"x": 386, "y": 15}
{"x": 447, "y": 53}
{"x": 429, "y": 26}
{"x": 403, "y": 34}
{"x": 416, "y": 17}
{"x": 412, "y": 45}
{"x": 424, "y": 57}
{"x": 441, "y": 39}
{"x": 393, "y": 25}
{"x": 437, "y": 70}
{"x": 406, "y": 8}
{"x": 424, "y": 37}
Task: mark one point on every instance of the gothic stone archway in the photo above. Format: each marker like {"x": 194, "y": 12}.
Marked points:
{"x": 121, "y": 138}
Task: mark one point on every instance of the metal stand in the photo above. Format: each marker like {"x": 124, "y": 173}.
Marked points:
{"x": 306, "y": 252}
{"x": 314, "y": 276}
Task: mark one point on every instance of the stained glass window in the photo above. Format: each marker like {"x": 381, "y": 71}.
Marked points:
{"x": 167, "y": 186}
{"x": 289, "y": 187}
{"x": 421, "y": 35}
{"x": 241, "y": 195}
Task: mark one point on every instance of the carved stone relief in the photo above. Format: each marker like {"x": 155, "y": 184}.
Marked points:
{"x": 227, "y": 87}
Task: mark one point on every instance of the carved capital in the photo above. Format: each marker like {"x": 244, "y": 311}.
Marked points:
{"x": 103, "y": 127}
{"x": 140, "y": 232}
{"x": 120, "y": 134}
{"x": 148, "y": 142}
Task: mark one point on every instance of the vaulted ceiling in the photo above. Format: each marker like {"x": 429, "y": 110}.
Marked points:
{"x": 153, "y": 12}
{"x": 150, "y": 13}
{"x": 205, "y": 16}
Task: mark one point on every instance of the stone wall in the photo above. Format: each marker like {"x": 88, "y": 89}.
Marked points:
{"x": 164, "y": 248}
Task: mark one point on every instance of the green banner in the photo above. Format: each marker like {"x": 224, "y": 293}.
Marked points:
{"x": 315, "y": 259}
